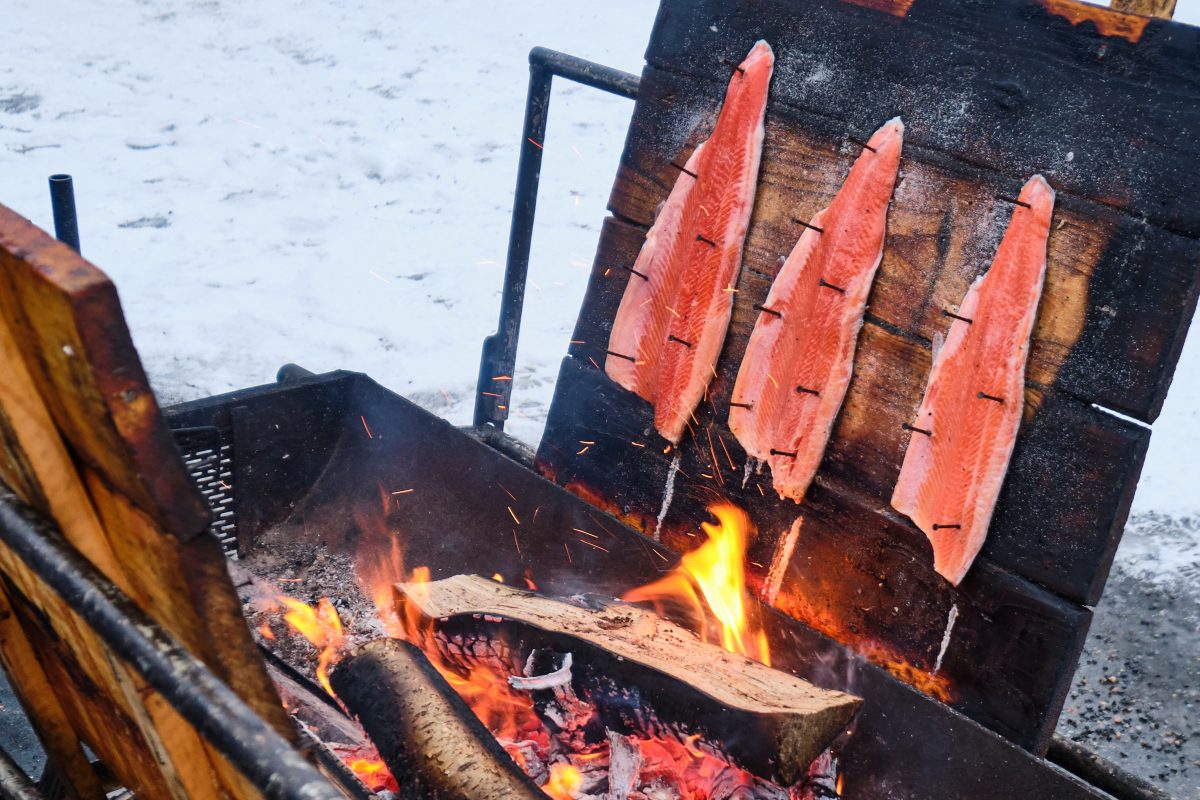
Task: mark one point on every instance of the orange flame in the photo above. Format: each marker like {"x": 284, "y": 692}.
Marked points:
{"x": 714, "y": 576}
{"x": 374, "y": 774}
{"x": 322, "y": 627}
{"x": 565, "y": 781}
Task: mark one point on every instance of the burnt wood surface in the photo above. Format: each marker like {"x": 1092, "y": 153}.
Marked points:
{"x": 456, "y": 519}
{"x": 990, "y": 92}
{"x": 426, "y": 734}
{"x": 766, "y": 721}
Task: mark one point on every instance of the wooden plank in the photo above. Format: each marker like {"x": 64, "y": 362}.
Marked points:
{"x": 67, "y": 321}
{"x": 1067, "y": 492}
{"x": 48, "y": 480}
{"x": 1119, "y": 293}
{"x": 175, "y": 580}
{"x": 861, "y": 576}
{"x": 970, "y": 80}
{"x": 88, "y": 685}
{"x": 1010, "y": 85}
{"x": 64, "y": 751}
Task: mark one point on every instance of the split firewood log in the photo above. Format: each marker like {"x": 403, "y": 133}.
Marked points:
{"x": 766, "y": 721}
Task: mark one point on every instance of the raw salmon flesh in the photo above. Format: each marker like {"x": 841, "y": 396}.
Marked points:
{"x": 675, "y": 312}
{"x": 967, "y": 423}
{"x": 798, "y": 362}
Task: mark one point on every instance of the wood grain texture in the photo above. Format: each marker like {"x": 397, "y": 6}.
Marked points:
{"x": 1067, "y": 492}
{"x": 969, "y": 79}
{"x": 1164, "y": 9}
{"x": 64, "y": 751}
{"x": 67, "y": 320}
{"x": 1119, "y": 293}
{"x": 755, "y": 704}
{"x": 81, "y": 432}
{"x": 1011, "y": 86}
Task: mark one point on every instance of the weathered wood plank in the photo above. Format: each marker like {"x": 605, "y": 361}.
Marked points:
{"x": 854, "y": 571}
{"x": 1119, "y": 293}
{"x": 972, "y": 82}
{"x": 64, "y": 751}
{"x": 1013, "y": 86}
{"x": 1067, "y": 492}
{"x": 67, "y": 321}
{"x": 85, "y": 445}
{"x": 1151, "y": 8}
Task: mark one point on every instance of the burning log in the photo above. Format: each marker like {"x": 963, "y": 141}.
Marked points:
{"x": 425, "y": 733}
{"x": 644, "y": 672}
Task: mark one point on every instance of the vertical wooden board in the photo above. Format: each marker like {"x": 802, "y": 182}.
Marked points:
{"x": 1011, "y": 85}
{"x": 68, "y": 323}
{"x": 862, "y": 577}
{"x": 186, "y": 588}
{"x": 151, "y": 568}
{"x": 1119, "y": 293}
{"x": 1073, "y": 473}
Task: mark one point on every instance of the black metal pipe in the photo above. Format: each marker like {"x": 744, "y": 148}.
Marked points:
{"x": 62, "y": 202}
{"x": 1100, "y": 772}
{"x": 289, "y": 373}
{"x": 499, "y": 355}
{"x": 252, "y": 746}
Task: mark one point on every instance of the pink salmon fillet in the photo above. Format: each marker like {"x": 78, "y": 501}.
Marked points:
{"x": 675, "y": 311}
{"x": 800, "y": 356}
{"x": 966, "y": 426}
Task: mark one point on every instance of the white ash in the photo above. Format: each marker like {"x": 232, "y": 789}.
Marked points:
{"x": 528, "y": 682}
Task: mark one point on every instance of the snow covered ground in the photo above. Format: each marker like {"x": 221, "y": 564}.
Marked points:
{"x": 330, "y": 183}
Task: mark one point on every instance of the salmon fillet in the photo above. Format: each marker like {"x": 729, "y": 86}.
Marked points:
{"x": 675, "y": 312}
{"x": 800, "y": 356}
{"x": 967, "y": 423}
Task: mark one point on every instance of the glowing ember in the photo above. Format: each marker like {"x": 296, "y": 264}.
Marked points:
{"x": 714, "y": 576}
{"x": 565, "y": 781}
{"x": 374, "y": 774}
{"x": 322, "y": 627}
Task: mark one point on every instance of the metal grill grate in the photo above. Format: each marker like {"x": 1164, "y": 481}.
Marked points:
{"x": 209, "y": 459}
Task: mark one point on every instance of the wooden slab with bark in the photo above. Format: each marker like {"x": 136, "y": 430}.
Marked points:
{"x": 770, "y": 722}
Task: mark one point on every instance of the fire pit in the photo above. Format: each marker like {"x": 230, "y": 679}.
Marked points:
{"x": 320, "y": 500}
{"x": 445, "y": 615}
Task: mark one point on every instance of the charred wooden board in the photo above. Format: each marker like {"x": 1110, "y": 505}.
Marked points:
{"x": 1065, "y": 498}
{"x": 856, "y": 573}
{"x": 1119, "y": 292}
{"x": 990, "y": 93}
{"x": 766, "y": 721}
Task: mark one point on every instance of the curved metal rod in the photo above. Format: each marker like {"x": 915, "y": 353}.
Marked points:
{"x": 499, "y": 355}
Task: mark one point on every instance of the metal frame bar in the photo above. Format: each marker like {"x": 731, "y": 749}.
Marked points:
{"x": 62, "y": 203}
{"x": 252, "y": 746}
{"x": 499, "y": 354}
